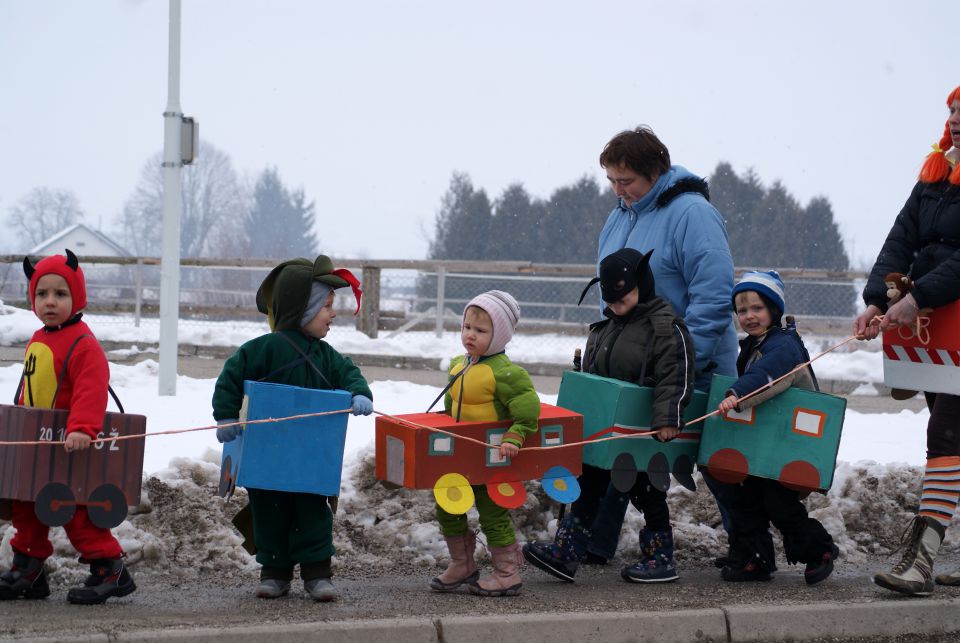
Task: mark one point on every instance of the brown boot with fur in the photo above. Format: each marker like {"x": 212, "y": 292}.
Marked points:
{"x": 505, "y": 579}
{"x": 462, "y": 568}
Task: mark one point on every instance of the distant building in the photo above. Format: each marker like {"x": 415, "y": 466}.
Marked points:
{"x": 82, "y": 240}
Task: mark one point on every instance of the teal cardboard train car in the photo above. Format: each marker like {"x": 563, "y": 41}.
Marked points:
{"x": 612, "y": 408}
{"x": 303, "y": 455}
{"x": 793, "y": 437}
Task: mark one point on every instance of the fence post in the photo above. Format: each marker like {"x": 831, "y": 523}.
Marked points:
{"x": 138, "y": 302}
{"x": 441, "y": 304}
{"x": 369, "y": 320}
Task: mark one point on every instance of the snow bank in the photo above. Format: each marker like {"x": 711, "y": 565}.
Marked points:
{"x": 182, "y": 529}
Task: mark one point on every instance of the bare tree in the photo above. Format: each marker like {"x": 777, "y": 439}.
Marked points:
{"x": 214, "y": 201}
{"x": 43, "y": 212}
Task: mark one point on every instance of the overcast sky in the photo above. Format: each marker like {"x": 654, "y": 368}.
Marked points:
{"x": 371, "y": 105}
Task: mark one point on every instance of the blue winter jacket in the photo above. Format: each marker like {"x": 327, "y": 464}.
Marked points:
{"x": 691, "y": 262}
{"x": 768, "y": 357}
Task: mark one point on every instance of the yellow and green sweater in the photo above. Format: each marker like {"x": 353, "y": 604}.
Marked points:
{"x": 494, "y": 389}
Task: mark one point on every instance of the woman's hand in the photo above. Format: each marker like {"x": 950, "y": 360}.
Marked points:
{"x": 77, "y": 441}
{"x": 902, "y": 313}
{"x": 727, "y": 404}
{"x": 862, "y": 327}
{"x": 508, "y": 450}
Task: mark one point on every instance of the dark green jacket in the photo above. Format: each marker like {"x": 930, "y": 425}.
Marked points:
{"x": 649, "y": 346}
{"x": 261, "y": 357}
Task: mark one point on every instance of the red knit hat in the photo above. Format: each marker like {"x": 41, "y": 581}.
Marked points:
{"x": 936, "y": 168}
{"x": 67, "y": 267}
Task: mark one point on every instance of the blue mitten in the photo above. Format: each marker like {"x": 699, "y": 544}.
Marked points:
{"x": 228, "y": 433}
{"x": 362, "y": 405}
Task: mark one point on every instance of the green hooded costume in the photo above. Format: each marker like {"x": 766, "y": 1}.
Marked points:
{"x": 290, "y": 528}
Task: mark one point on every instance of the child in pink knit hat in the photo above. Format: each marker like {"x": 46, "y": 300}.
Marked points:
{"x": 486, "y": 386}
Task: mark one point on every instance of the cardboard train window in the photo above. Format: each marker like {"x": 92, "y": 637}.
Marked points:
{"x": 551, "y": 436}
{"x": 441, "y": 444}
{"x": 808, "y": 422}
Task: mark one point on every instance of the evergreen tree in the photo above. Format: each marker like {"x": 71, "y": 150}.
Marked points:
{"x": 767, "y": 227}
{"x": 462, "y": 227}
{"x": 826, "y": 248}
{"x": 280, "y": 223}
{"x": 574, "y": 217}
{"x": 514, "y": 226}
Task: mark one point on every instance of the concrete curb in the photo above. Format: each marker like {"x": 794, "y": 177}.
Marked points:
{"x": 889, "y": 618}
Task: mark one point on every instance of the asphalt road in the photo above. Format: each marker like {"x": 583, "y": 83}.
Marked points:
{"x": 163, "y": 602}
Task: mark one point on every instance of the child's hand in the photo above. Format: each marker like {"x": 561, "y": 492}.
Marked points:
{"x": 508, "y": 450}
{"x": 77, "y": 441}
{"x": 665, "y": 433}
{"x": 729, "y": 403}
{"x": 361, "y": 405}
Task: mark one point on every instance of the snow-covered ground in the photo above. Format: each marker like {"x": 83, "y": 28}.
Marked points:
{"x": 876, "y": 482}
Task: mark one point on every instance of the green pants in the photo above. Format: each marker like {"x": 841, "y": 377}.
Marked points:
{"x": 495, "y": 522}
{"x": 291, "y": 528}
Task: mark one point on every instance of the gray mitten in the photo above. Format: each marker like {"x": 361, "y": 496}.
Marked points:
{"x": 228, "y": 433}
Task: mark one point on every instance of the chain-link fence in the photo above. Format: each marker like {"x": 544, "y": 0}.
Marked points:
{"x": 405, "y": 296}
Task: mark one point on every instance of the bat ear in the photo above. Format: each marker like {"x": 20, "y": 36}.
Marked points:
{"x": 72, "y": 262}
{"x": 28, "y": 268}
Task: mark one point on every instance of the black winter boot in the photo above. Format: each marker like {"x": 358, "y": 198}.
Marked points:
{"x": 26, "y": 578}
{"x": 107, "y": 578}
{"x": 656, "y": 559}
{"x": 561, "y": 557}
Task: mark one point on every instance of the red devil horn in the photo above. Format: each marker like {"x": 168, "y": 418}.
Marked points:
{"x": 349, "y": 277}
{"x": 28, "y": 268}
{"x": 72, "y": 262}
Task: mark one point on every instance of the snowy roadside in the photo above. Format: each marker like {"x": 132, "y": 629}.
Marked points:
{"x": 181, "y": 528}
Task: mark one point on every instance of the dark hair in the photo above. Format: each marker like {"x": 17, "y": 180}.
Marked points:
{"x": 638, "y": 149}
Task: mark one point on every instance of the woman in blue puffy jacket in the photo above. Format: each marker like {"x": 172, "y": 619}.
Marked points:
{"x": 666, "y": 208}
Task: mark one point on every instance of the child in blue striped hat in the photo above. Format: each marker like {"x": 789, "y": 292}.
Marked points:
{"x": 768, "y": 352}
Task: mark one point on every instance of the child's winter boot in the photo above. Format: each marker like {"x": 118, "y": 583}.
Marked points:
{"x": 320, "y": 589}
{"x": 505, "y": 579}
{"x": 561, "y": 557}
{"x": 274, "y": 582}
{"x": 462, "y": 568}
{"x": 913, "y": 575}
{"x": 821, "y": 568}
{"x": 316, "y": 581}
{"x": 108, "y": 578}
{"x": 752, "y": 569}
{"x": 26, "y": 578}
{"x": 656, "y": 559}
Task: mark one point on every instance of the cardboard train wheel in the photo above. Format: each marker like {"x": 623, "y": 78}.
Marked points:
{"x": 683, "y": 472}
{"x": 107, "y": 506}
{"x": 658, "y": 470}
{"x": 508, "y": 494}
{"x": 623, "y": 474}
{"x": 227, "y": 482}
{"x": 453, "y": 493}
{"x": 55, "y": 504}
{"x": 560, "y": 484}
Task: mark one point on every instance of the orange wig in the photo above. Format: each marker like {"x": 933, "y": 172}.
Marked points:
{"x": 936, "y": 168}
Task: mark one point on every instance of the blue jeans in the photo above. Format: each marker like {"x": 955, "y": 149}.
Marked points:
{"x": 605, "y": 530}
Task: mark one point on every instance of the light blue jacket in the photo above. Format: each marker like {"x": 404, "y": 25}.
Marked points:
{"x": 691, "y": 262}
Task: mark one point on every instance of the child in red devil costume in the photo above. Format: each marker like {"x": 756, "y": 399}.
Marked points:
{"x": 64, "y": 368}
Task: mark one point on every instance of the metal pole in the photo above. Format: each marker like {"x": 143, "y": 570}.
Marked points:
{"x": 170, "y": 258}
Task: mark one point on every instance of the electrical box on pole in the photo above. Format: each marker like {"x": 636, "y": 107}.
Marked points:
{"x": 189, "y": 139}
